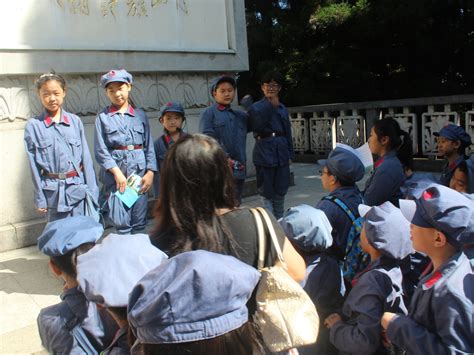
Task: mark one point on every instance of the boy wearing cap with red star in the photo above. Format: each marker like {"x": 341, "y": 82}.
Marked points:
{"x": 229, "y": 128}
{"x": 452, "y": 141}
{"x": 440, "y": 316}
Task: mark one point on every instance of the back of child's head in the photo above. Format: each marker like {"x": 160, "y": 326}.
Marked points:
{"x": 194, "y": 301}
{"x": 466, "y": 167}
{"x": 44, "y": 78}
{"x": 345, "y": 165}
{"x": 387, "y": 230}
{"x": 108, "y": 272}
{"x": 455, "y": 133}
{"x": 65, "y": 239}
{"x": 307, "y": 228}
{"x": 443, "y": 209}
{"x": 399, "y": 140}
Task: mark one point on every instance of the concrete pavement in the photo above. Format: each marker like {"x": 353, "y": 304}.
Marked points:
{"x": 27, "y": 285}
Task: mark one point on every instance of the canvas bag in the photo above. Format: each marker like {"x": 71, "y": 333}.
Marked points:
{"x": 286, "y": 316}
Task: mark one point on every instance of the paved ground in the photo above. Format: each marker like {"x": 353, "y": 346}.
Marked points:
{"x": 27, "y": 285}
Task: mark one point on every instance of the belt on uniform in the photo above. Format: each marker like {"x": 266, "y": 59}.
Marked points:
{"x": 61, "y": 176}
{"x": 128, "y": 147}
{"x": 269, "y": 134}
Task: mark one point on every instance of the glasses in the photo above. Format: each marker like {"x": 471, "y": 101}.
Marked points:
{"x": 271, "y": 86}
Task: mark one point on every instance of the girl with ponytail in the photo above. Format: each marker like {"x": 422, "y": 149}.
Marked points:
{"x": 393, "y": 147}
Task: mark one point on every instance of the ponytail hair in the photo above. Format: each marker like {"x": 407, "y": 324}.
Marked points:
{"x": 399, "y": 140}
{"x": 67, "y": 262}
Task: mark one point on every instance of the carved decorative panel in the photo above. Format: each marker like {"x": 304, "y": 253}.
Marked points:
{"x": 82, "y": 95}
{"x": 299, "y": 130}
{"x": 350, "y": 129}
{"x": 145, "y": 92}
{"x": 321, "y": 129}
{"x": 14, "y": 100}
{"x": 195, "y": 88}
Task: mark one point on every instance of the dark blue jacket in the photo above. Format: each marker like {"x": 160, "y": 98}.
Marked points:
{"x": 323, "y": 283}
{"x": 440, "y": 318}
{"x": 56, "y": 322}
{"x": 160, "y": 152}
{"x": 229, "y": 128}
{"x": 376, "y": 290}
{"x": 385, "y": 182}
{"x": 266, "y": 119}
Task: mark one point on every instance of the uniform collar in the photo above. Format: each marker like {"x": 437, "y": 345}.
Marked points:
{"x": 48, "y": 121}
{"x": 389, "y": 154}
{"x": 452, "y": 166}
{"x": 112, "y": 110}
{"x": 380, "y": 262}
{"x": 221, "y": 107}
{"x": 443, "y": 272}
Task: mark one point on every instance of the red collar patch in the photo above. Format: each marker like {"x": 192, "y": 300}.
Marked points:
{"x": 433, "y": 279}
{"x": 221, "y": 107}
{"x": 66, "y": 120}
{"x": 130, "y": 110}
{"x": 168, "y": 138}
{"x": 48, "y": 121}
{"x": 379, "y": 162}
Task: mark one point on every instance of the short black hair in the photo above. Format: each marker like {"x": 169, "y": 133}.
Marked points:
{"x": 272, "y": 75}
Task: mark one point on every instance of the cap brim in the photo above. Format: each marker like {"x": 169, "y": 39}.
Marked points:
{"x": 115, "y": 81}
{"x": 408, "y": 209}
{"x": 363, "y": 210}
{"x": 322, "y": 162}
{"x": 436, "y": 134}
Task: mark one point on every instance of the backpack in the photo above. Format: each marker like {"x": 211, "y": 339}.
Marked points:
{"x": 355, "y": 260}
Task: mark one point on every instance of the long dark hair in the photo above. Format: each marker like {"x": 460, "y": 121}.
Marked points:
{"x": 67, "y": 262}
{"x": 243, "y": 340}
{"x": 196, "y": 180}
{"x": 399, "y": 140}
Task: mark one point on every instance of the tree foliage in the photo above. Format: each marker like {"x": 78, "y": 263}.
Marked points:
{"x": 340, "y": 51}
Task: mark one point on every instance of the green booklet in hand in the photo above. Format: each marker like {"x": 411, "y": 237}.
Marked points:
{"x": 131, "y": 192}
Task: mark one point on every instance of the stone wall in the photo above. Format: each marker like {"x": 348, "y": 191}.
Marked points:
{"x": 169, "y": 46}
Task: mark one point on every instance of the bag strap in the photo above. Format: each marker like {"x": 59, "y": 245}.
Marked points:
{"x": 81, "y": 338}
{"x": 342, "y": 205}
{"x": 273, "y": 236}
{"x": 261, "y": 238}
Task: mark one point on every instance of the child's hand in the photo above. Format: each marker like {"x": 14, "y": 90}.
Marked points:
{"x": 332, "y": 319}
{"x": 386, "y": 318}
{"x": 42, "y": 210}
{"x": 120, "y": 179}
{"x": 147, "y": 181}
{"x": 274, "y": 100}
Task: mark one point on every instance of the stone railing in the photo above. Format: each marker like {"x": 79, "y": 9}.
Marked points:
{"x": 317, "y": 128}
